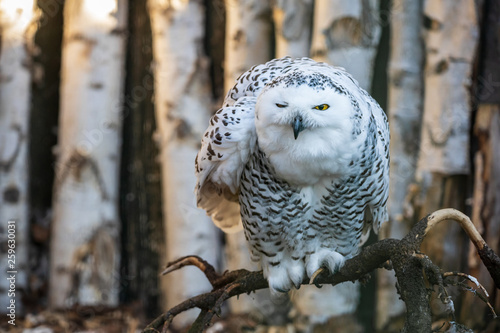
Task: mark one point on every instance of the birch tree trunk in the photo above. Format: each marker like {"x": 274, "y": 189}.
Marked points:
{"x": 450, "y": 41}
{"x": 346, "y": 34}
{"x": 16, "y": 36}
{"x": 248, "y": 43}
{"x": 450, "y": 38}
{"x": 248, "y": 37}
{"x": 486, "y": 196}
{"x": 293, "y": 23}
{"x": 183, "y": 100}
{"x": 405, "y": 112}
{"x": 85, "y": 230}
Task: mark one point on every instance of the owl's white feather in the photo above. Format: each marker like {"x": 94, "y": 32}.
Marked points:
{"x": 301, "y": 153}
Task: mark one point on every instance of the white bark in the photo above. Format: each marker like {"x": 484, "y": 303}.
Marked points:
{"x": 248, "y": 37}
{"x": 15, "y": 85}
{"x": 183, "y": 101}
{"x": 450, "y": 40}
{"x": 405, "y": 112}
{"x": 85, "y": 230}
{"x": 405, "y": 107}
{"x": 292, "y": 22}
{"x": 346, "y": 33}
{"x": 451, "y": 36}
{"x": 450, "y": 45}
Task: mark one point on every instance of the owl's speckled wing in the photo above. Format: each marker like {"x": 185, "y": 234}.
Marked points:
{"x": 225, "y": 149}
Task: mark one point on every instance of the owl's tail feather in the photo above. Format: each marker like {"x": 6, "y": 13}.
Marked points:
{"x": 222, "y": 205}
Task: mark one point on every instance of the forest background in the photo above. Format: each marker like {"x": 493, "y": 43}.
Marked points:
{"x": 102, "y": 107}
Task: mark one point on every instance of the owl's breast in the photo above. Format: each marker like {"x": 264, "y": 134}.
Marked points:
{"x": 278, "y": 216}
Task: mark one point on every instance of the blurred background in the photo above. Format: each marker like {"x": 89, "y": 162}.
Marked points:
{"x": 102, "y": 107}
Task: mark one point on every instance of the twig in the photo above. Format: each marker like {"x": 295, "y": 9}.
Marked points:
{"x": 468, "y": 277}
{"x": 203, "y": 265}
{"x": 464, "y": 221}
{"x": 487, "y": 255}
{"x": 479, "y": 285}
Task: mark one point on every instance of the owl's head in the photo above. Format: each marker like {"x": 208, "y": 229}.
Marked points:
{"x": 305, "y": 117}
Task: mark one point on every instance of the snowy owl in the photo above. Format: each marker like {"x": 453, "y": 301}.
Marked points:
{"x": 299, "y": 156}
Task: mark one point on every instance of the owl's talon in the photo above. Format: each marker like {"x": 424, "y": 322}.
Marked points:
{"x": 315, "y": 275}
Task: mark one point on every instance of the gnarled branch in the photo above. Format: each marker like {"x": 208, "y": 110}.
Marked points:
{"x": 413, "y": 270}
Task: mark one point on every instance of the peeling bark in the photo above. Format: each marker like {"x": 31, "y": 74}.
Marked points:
{"x": 85, "y": 251}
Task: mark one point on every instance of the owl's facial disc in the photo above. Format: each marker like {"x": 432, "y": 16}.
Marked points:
{"x": 298, "y": 126}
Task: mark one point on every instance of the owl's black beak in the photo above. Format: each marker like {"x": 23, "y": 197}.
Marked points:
{"x": 298, "y": 126}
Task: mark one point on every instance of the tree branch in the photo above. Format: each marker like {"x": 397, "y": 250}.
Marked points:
{"x": 409, "y": 265}
{"x": 487, "y": 255}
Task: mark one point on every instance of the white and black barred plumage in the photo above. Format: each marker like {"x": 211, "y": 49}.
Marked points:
{"x": 301, "y": 153}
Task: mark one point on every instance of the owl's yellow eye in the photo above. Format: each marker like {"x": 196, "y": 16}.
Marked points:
{"x": 281, "y": 105}
{"x": 322, "y": 107}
